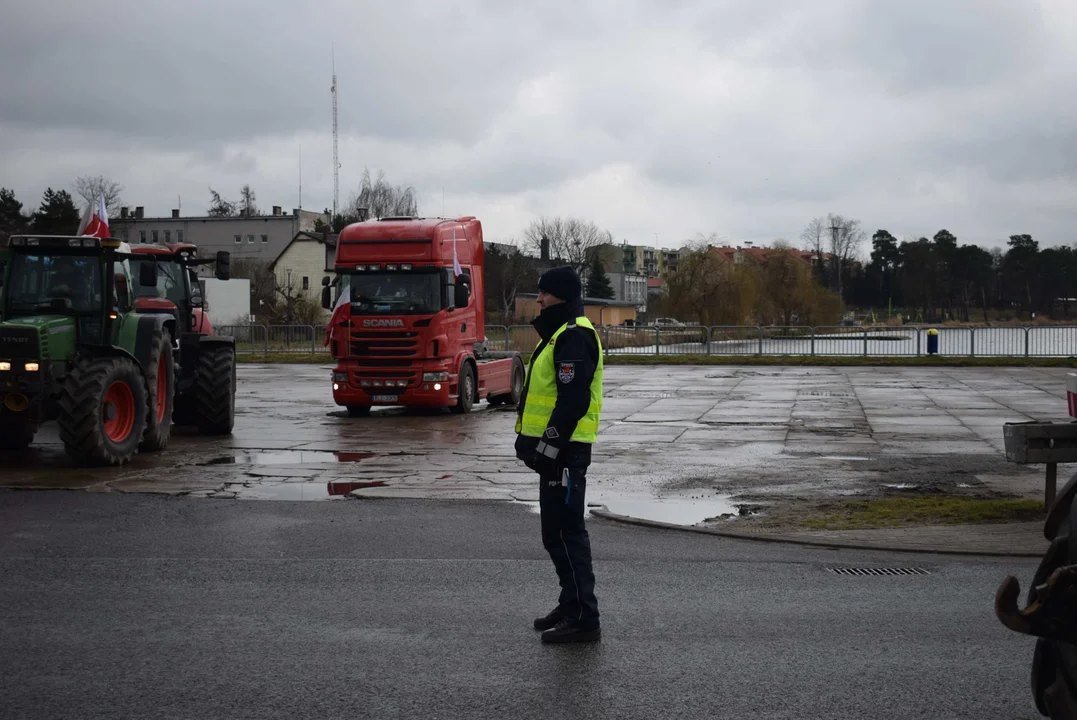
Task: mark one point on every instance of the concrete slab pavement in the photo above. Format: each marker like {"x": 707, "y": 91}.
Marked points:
{"x": 689, "y": 442}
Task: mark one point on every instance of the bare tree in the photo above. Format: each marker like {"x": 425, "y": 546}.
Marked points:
{"x": 247, "y": 206}
{"x": 90, "y": 187}
{"x": 572, "y": 241}
{"x": 378, "y": 199}
{"x": 814, "y": 238}
{"x": 507, "y": 271}
{"x": 846, "y": 236}
{"x": 298, "y": 308}
{"x": 219, "y": 207}
{"x": 695, "y": 286}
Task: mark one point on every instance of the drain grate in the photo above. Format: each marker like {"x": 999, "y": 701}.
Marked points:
{"x": 878, "y": 571}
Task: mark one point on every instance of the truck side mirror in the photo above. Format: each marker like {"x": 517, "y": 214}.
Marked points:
{"x": 325, "y": 281}
{"x": 224, "y": 265}
{"x": 147, "y": 274}
{"x": 325, "y": 296}
{"x": 462, "y": 293}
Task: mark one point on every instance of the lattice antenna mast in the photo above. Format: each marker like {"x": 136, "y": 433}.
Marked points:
{"x": 336, "y": 163}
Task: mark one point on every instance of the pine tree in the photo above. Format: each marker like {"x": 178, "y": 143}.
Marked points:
{"x": 598, "y": 283}
{"x": 12, "y": 221}
{"x": 57, "y": 214}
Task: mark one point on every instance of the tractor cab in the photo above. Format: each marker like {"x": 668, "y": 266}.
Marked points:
{"x": 177, "y": 291}
{"x": 82, "y": 283}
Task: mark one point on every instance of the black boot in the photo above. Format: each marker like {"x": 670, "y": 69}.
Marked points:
{"x": 567, "y": 631}
{"x": 554, "y": 617}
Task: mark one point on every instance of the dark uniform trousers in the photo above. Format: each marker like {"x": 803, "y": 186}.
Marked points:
{"x": 564, "y": 535}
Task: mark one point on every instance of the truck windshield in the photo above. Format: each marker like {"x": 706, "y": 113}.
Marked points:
{"x": 53, "y": 283}
{"x": 169, "y": 281}
{"x": 417, "y": 293}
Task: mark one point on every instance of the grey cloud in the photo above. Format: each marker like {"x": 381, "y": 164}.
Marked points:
{"x": 222, "y": 71}
{"x": 917, "y": 45}
{"x": 750, "y": 117}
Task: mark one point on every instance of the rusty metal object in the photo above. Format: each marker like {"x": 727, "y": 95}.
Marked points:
{"x": 1051, "y": 611}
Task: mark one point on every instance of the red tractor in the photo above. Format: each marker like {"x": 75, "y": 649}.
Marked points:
{"x": 204, "y": 364}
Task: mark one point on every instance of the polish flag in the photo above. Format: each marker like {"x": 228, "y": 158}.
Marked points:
{"x": 456, "y": 269}
{"x": 94, "y": 221}
{"x": 341, "y": 311}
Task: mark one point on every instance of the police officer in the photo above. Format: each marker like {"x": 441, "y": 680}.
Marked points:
{"x": 556, "y": 426}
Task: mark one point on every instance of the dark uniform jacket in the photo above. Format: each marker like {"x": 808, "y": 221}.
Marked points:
{"x": 575, "y": 357}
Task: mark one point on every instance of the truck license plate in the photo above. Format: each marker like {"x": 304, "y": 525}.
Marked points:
{"x": 385, "y": 398}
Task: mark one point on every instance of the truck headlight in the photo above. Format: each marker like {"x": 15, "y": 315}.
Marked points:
{"x": 436, "y": 377}
{"x": 32, "y": 367}
{"x": 340, "y": 377}
{"x": 5, "y": 366}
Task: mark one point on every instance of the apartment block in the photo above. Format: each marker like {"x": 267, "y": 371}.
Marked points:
{"x": 256, "y": 237}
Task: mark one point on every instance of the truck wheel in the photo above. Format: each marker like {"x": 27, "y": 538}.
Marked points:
{"x": 518, "y": 374}
{"x": 516, "y": 386}
{"x": 16, "y": 436}
{"x": 215, "y": 390}
{"x": 358, "y": 410}
{"x": 466, "y": 388}
{"x": 161, "y": 383}
{"x": 103, "y": 411}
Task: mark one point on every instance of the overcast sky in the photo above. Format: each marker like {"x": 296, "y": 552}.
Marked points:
{"x": 659, "y": 121}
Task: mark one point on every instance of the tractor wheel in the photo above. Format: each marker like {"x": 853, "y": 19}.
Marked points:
{"x": 215, "y": 390}
{"x": 466, "y": 387}
{"x": 103, "y": 411}
{"x": 161, "y": 382}
{"x": 16, "y": 436}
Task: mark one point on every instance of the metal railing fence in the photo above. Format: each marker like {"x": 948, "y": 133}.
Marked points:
{"x": 735, "y": 340}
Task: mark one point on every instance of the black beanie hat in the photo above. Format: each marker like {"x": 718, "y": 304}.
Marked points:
{"x": 561, "y": 282}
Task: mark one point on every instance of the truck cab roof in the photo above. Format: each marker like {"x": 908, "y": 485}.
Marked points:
{"x": 411, "y": 239}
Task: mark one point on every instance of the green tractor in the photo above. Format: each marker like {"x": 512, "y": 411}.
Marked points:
{"x": 73, "y": 349}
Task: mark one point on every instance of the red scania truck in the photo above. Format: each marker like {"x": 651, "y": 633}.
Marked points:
{"x": 408, "y": 327}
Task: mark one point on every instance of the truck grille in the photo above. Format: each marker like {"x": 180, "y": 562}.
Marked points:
{"x": 19, "y": 342}
{"x": 396, "y": 344}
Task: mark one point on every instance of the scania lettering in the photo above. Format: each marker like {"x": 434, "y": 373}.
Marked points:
{"x": 408, "y": 329}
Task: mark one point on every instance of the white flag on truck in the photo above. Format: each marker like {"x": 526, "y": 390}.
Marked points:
{"x": 341, "y": 311}
{"x": 456, "y": 269}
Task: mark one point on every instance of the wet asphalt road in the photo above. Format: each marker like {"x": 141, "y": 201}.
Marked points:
{"x": 140, "y": 606}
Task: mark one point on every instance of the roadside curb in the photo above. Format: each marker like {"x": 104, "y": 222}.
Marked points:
{"x": 604, "y": 512}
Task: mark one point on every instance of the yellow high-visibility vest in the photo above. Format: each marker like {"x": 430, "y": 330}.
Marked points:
{"x": 542, "y": 391}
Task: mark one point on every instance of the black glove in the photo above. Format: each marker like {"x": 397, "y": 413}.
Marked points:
{"x": 547, "y": 452}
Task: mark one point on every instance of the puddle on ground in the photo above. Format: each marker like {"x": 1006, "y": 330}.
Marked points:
{"x": 901, "y": 486}
{"x": 333, "y": 490}
{"x": 842, "y": 457}
{"x": 672, "y": 510}
{"x": 289, "y": 457}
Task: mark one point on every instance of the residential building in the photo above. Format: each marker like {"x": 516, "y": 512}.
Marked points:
{"x": 629, "y": 288}
{"x": 259, "y": 237}
{"x": 304, "y": 262}
{"x": 639, "y": 259}
{"x": 598, "y": 310}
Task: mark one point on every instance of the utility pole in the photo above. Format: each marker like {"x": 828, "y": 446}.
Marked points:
{"x": 835, "y": 260}
{"x": 336, "y": 164}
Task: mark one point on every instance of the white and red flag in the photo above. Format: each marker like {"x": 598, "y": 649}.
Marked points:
{"x": 341, "y": 311}
{"x": 94, "y": 221}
